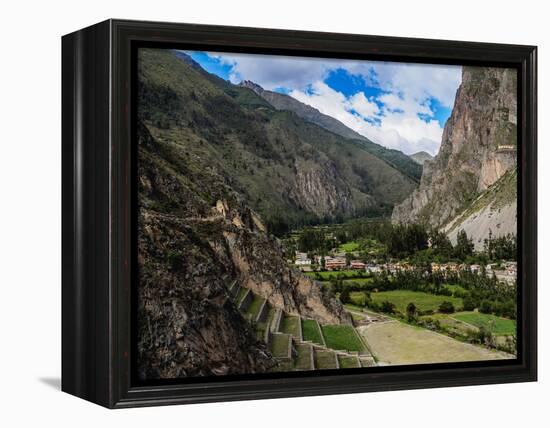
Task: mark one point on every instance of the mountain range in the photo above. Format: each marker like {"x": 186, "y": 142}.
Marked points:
{"x": 288, "y": 168}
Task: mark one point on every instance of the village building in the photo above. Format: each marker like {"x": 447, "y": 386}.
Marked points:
{"x": 302, "y": 259}
{"x": 475, "y": 268}
{"x": 436, "y": 267}
{"x": 372, "y": 268}
{"x": 333, "y": 263}
{"x": 511, "y": 268}
{"x": 357, "y": 264}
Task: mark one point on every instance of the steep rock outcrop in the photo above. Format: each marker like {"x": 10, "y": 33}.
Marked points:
{"x": 478, "y": 148}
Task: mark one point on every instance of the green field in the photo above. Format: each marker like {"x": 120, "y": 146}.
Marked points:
{"x": 450, "y": 324}
{"x": 240, "y": 295}
{"x": 358, "y": 298}
{"x": 494, "y": 324}
{"x": 422, "y": 301}
{"x": 348, "y": 247}
{"x": 310, "y": 330}
{"x": 328, "y": 275}
{"x": 352, "y": 307}
{"x": 254, "y": 307}
{"x": 303, "y": 359}
{"x": 360, "y": 281}
{"x": 346, "y": 362}
{"x": 357, "y": 317}
{"x": 342, "y": 337}
{"x": 325, "y": 360}
{"x": 279, "y": 345}
{"x": 291, "y": 325}
{"x": 454, "y": 288}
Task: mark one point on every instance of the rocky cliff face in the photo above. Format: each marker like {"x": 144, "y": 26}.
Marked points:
{"x": 478, "y": 148}
{"x": 196, "y": 236}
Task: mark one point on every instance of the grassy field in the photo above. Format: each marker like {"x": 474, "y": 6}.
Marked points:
{"x": 357, "y": 317}
{"x": 303, "y": 360}
{"x": 310, "y": 330}
{"x": 396, "y": 343}
{"x": 279, "y": 345}
{"x": 358, "y": 298}
{"x": 353, "y": 307}
{"x": 346, "y": 362}
{"x": 454, "y": 288}
{"x": 451, "y": 325}
{"x": 325, "y": 360}
{"x": 291, "y": 325}
{"x": 328, "y": 275}
{"x": 422, "y": 301}
{"x": 494, "y": 324}
{"x": 240, "y": 295}
{"x": 254, "y": 307}
{"x": 360, "y": 281}
{"x": 342, "y": 337}
{"x": 348, "y": 247}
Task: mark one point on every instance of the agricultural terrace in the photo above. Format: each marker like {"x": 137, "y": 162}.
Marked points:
{"x": 342, "y": 337}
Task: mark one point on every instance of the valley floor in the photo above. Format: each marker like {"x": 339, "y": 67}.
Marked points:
{"x": 396, "y": 343}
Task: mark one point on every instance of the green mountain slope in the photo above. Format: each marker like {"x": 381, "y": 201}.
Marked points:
{"x": 290, "y": 171}
{"x": 397, "y": 159}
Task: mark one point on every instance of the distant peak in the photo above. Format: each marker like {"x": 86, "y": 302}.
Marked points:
{"x": 421, "y": 157}
{"x": 251, "y": 85}
{"x": 187, "y": 59}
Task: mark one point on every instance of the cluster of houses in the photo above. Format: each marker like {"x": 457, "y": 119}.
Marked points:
{"x": 505, "y": 272}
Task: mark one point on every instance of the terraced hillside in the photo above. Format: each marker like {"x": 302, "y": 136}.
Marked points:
{"x": 299, "y": 343}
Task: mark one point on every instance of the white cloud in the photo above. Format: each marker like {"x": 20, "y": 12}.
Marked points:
{"x": 391, "y": 119}
{"x": 272, "y": 72}
{"x": 363, "y": 106}
{"x": 396, "y": 125}
{"x": 419, "y": 81}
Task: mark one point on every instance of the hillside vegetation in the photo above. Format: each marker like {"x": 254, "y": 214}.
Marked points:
{"x": 292, "y": 172}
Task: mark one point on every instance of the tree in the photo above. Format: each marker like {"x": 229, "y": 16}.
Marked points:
{"x": 387, "y": 307}
{"x": 311, "y": 240}
{"x": 367, "y": 297}
{"x": 446, "y": 307}
{"x": 411, "y": 312}
{"x": 464, "y": 245}
{"x": 344, "y": 296}
{"x": 469, "y": 304}
{"x": 441, "y": 245}
{"x": 486, "y": 307}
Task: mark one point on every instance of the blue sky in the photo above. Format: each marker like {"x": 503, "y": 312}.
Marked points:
{"x": 401, "y": 106}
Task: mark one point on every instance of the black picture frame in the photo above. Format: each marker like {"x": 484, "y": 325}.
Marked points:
{"x": 98, "y": 204}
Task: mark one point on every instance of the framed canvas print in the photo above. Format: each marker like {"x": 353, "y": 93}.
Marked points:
{"x": 252, "y": 213}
